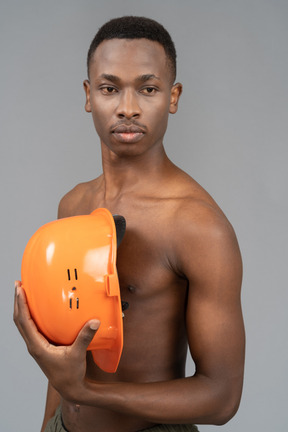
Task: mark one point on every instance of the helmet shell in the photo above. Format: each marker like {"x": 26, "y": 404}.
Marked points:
{"x": 69, "y": 276}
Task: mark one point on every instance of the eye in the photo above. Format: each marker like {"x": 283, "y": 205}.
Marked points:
{"x": 149, "y": 90}
{"x": 107, "y": 90}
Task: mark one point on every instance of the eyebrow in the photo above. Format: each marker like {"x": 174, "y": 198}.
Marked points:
{"x": 109, "y": 77}
{"x": 142, "y": 78}
{"x": 147, "y": 77}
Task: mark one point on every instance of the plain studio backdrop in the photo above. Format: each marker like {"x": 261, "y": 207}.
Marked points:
{"x": 230, "y": 134}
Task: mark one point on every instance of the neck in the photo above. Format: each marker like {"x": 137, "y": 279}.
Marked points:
{"x": 129, "y": 174}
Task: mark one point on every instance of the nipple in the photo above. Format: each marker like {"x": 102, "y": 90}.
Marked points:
{"x": 131, "y": 288}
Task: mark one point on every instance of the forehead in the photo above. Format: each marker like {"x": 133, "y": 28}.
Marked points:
{"x": 123, "y": 57}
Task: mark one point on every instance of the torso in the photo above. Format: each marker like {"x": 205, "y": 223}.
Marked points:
{"x": 155, "y": 344}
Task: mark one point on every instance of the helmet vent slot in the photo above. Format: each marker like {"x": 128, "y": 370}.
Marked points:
{"x": 69, "y": 274}
{"x": 77, "y": 303}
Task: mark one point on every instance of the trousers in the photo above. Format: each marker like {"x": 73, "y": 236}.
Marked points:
{"x": 55, "y": 424}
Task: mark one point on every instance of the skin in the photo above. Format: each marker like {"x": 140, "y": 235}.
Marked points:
{"x": 179, "y": 268}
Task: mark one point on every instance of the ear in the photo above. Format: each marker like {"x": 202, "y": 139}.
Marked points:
{"x": 176, "y": 91}
{"x": 86, "y": 85}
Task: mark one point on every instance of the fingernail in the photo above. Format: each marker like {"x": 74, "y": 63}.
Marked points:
{"x": 94, "y": 325}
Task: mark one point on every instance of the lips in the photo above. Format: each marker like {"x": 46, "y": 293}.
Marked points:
{"x": 128, "y": 134}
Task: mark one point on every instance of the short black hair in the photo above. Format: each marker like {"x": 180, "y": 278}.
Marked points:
{"x": 134, "y": 27}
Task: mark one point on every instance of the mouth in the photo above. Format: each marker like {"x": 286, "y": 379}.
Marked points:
{"x": 128, "y": 134}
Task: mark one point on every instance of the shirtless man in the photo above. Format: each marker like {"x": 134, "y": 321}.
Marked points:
{"x": 179, "y": 264}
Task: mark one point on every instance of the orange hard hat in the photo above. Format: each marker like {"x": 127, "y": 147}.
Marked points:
{"x": 69, "y": 276}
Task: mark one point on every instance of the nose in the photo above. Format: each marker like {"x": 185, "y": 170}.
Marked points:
{"x": 128, "y": 106}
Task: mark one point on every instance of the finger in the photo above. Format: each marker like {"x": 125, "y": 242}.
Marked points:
{"x": 26, "y": 325}
{"x": 16, "y": 285}
{"x": 86, "y": 335}
{"x": 21, "y": 311}
{"x": 15, "y": 312}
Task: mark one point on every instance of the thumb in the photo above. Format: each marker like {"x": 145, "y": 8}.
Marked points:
{"x": 86, "y": 334}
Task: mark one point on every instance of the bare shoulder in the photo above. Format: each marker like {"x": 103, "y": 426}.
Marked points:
{"x": 78, "y": 200}
{"x": 197, "y": 211}
{"x": 199, "y": 228}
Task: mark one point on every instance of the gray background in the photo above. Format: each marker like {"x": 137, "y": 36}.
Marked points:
{"x": 230, "y": 134}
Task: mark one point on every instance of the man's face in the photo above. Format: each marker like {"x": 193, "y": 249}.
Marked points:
{"x": 130, "y": 95}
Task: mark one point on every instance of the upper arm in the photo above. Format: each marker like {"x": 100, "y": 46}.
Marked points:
{"x": 212, "y": 263}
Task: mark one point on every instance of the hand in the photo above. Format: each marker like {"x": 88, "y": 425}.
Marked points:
{"x": 64, "y": 366}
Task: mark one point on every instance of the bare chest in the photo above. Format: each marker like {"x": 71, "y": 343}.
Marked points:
{"x": 154, "y": 322}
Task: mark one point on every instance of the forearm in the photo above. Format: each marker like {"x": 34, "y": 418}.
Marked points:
{"x": 190, "y": 400}
{"x": 211, "y": 398}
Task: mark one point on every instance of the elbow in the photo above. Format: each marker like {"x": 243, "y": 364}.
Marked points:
{"x": 223, "y": 402}
{"x": 227, "y": 409}
{"x": 225, "y": 416}
{"x": 220, "y": 402}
